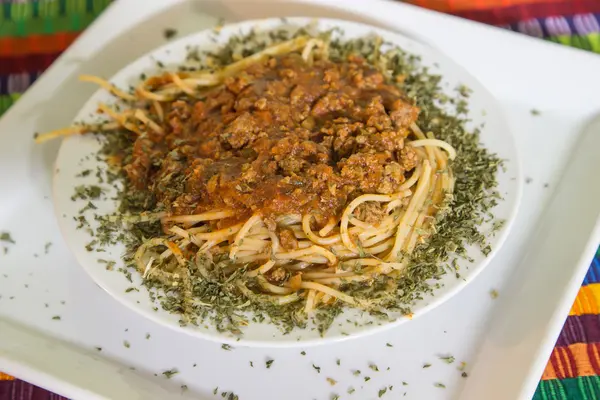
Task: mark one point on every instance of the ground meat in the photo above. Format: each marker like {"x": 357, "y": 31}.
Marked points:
{"x": 408, "y": 158}
{"x": 241, "y": 130}
{"x": 280, "y": 137}
{"x": 277, "y": 275}
{"x": 370, "y": 212}
{"x": 331, "y": 103}
{"x": 403, "y": 114}
{"x": 288, "y": 239}
{"x": 373, "y": 173}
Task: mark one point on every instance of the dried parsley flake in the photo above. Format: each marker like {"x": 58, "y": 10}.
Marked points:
{"x": 169, "y": 33}
{"x": 170, "y": 372}
{"x": 6, "y": 237}
{"x": 448, "y": 359}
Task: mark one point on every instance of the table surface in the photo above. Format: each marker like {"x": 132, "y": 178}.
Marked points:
{"x": 33, "y": 33}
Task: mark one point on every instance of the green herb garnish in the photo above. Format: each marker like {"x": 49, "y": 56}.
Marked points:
{"x": 170, "y": 372}
{"x": 169, "y": 33}
{"x": 6, "y": 237}
{"x": 447, "y": 359}
{"x": 90, "y": 192}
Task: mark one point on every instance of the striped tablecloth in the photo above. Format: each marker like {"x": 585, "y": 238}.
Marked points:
{"x": 34, "y": 32}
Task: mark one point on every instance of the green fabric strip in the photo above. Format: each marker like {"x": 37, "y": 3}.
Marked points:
{"x": 581, "y": 388}
{"x": 24, "y": 10}
{"x": 589, "y": 42}
{"x": 46, "y": 25}
{"x": 8, "y": 100}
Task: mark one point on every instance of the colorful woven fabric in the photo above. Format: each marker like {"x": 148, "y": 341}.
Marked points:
{"x": 33, "y": 33}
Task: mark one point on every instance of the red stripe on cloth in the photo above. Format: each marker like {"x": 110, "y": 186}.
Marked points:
{"x": 594, "y": 356}
{"x": 460, "y": 5}
{"x": 46, "y": 44}
{"x": 26, "y": 63}
{"x": 581, "y": 359}
{"x": 521, "y": 12}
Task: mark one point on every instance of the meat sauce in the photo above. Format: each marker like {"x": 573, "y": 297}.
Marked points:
{"x": 280, "y": 137}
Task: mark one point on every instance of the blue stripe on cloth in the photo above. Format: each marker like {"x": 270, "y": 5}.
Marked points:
{"x": 593, "y": 274}
{"x": 579, "y": 24}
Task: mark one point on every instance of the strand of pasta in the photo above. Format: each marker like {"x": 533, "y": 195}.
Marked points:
{"x": 243, "y": 231}
{"x": 410, "y": 215}
{"x": 195, "y": 218}
{"x": 353, "y": 205}
{"x": 314, "y": 238}
{"x": 107, "y": 86}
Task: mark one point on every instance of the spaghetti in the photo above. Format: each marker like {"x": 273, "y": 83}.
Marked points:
{"x": 297, "y": 177}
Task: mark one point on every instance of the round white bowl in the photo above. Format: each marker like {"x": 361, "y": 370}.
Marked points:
{"x": 72, "y": 159}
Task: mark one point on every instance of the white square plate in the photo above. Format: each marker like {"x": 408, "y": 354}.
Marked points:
{"x": 505, "y": 342}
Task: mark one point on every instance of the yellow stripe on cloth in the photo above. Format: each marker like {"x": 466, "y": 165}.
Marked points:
{"x": 587, "y": 300}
